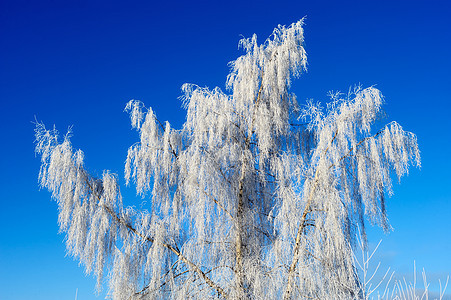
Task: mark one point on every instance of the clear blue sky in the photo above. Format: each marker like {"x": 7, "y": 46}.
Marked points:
{"x": 78, "y": 63}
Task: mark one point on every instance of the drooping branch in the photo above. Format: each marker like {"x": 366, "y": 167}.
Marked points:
{"x": 218, "y": 203}
{"x": 170, "y": 145}
{"x": 307, "y": 209}
{"x": 297, "y": 244}
{"x": 145, "y": 289}
{"x": 173, "y": 249}
{"x": 353, "y": 148}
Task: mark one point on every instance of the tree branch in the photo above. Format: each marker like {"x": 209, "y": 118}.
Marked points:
{"x": 357, "y": 145}
{"x": 164, "y": 129}
{"x": 161, "y": 285}
{"x": 173, "y": 249}
{"x": 302, "y": 225}
{"x": 307, "y": 209}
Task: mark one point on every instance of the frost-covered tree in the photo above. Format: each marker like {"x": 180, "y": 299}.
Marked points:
{"x": 255, "y": 197}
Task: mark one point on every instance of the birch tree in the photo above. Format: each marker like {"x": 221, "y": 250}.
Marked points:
{"x": 255, "y": 197}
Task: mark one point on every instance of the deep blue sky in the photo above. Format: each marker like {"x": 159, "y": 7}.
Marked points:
{"x": 78, "y": 63}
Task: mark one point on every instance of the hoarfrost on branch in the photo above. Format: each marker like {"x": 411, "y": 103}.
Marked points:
{"x": 255, "y": 197}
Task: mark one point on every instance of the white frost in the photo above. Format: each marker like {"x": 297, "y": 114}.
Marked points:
{"x": 254, "y": 197}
